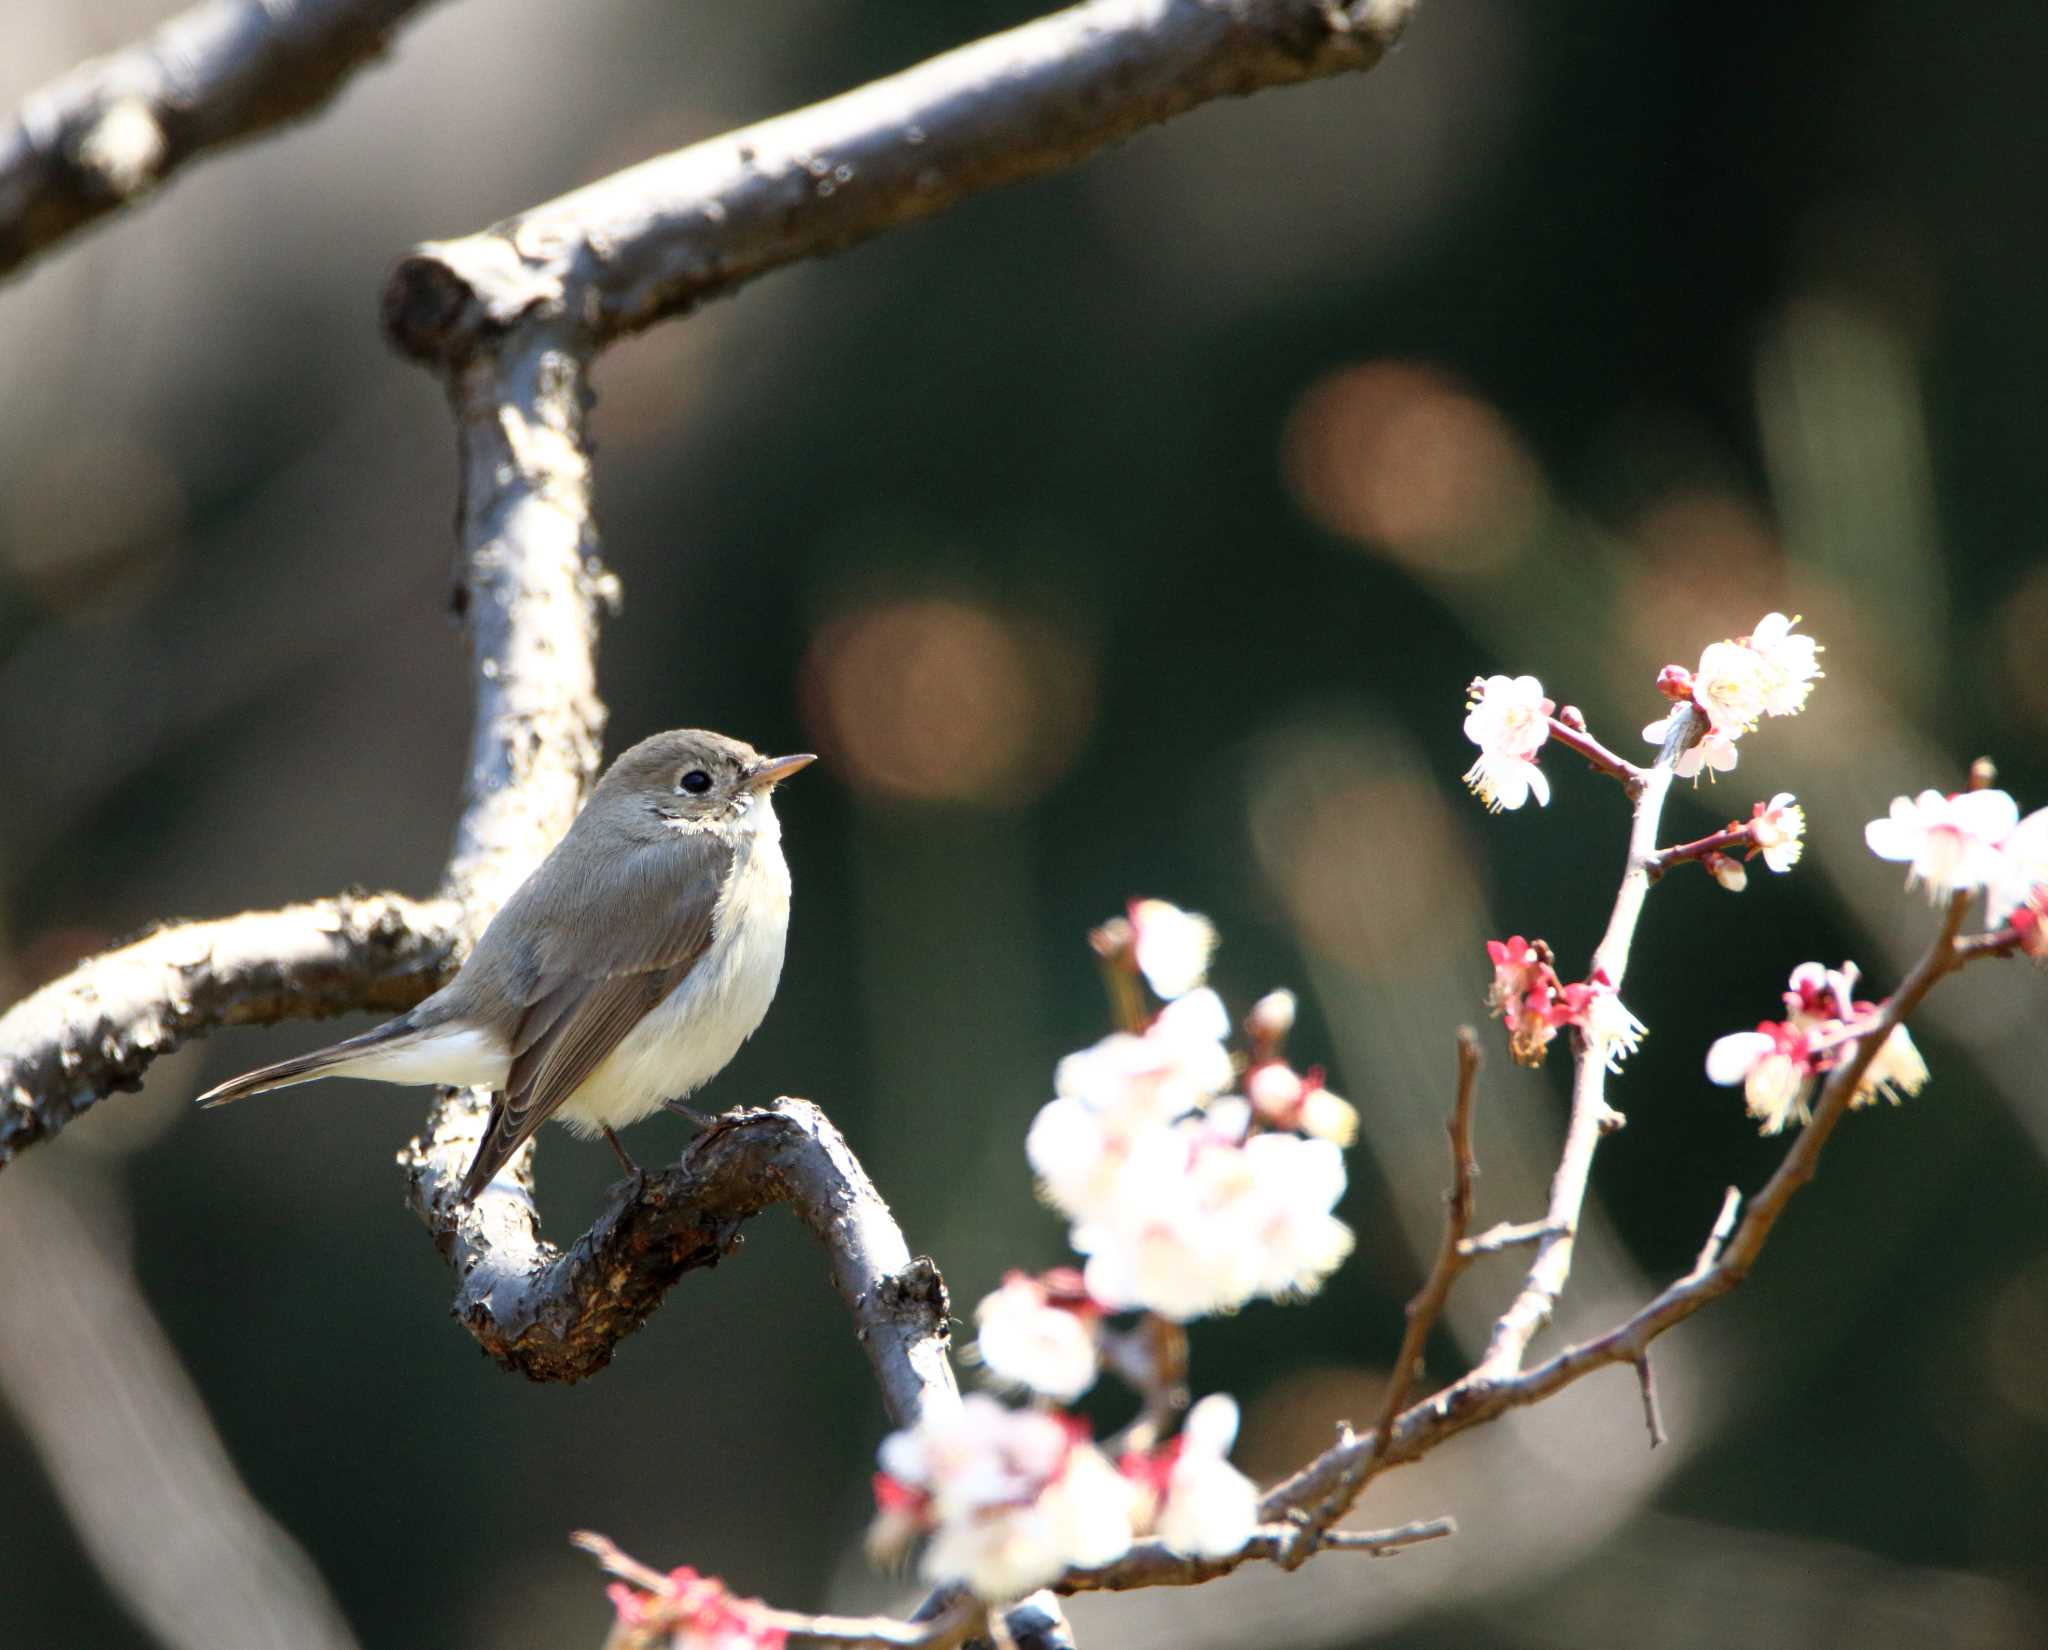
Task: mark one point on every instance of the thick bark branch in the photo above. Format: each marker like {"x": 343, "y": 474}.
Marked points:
{"x": 557, "y": 1316}
{"x": 662, "y": 237}
{"x": 111, "y": 130}
{"x": 95, "y": 1030}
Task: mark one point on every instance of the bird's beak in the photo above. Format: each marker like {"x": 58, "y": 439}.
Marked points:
{"x": 772, "y": 770}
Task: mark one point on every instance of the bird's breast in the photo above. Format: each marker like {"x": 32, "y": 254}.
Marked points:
{"x": 690, "y": 1036}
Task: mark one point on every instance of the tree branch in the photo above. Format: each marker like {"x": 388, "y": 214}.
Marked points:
{"x": 664, "y": 236}
{"x": 557, "y": 1315}
{"x": 108, "y": 132}
{"x": 95, "y": 1030}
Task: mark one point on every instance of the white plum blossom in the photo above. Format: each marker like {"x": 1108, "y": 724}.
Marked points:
{"x": 1769, "y": 672}
{"x": 1778, "y": 828}
{"x": 1612, "y": 1033}
{"x": 1732, "y": 685}
{"x": 2022, "y": 879}
{"x": 1272, "y": 1017}
{"x": 1172, "y": 947}
{"x": 1010, "y": 1498}
{"x": 1207, "y": 1216}
{"x": 1950, "y": 843}
{"x": 1790, "y": 661}
{"x": 1040, "y": 1334}
{"x": 1777, "y": 1064}
{"x": 1508, "y": 719}
{"x": 1209, "y": 1508}
{"x": 1770, "y": 1064}
{"x": 1295, "y": 1240}
{"x": 1122, "y": 1087}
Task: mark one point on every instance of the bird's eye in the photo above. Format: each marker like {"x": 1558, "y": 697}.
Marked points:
{"x": 696, "y": 782}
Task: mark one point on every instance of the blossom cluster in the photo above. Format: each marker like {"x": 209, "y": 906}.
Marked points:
{"x": 1185, "y": 1197}
{"x": 1535, "y": 1004}
{"x": 1769, "y": 672}
{"x": 1008, "y": 1499}
{"x": 1778, "y": 1063}
{"x": 689, "y": 1612}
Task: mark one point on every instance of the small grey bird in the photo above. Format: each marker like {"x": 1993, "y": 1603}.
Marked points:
{"x": 624, "y": 972}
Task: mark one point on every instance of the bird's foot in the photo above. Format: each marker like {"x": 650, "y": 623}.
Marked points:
{"x": 703, "y": 1120}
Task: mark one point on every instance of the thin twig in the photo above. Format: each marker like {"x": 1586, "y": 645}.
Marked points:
{"x": 1735, "y": 838}
{"x": 1497, "y": 1240}
{"x": 1646, "y": 1378}
{"x": 1578, "y": 739}
{"x": 110, "y": 131}
{"x": 1388, "y": 1541}
{"x": 1451, "y": 1255}
{"x": 1724, "y": 1223}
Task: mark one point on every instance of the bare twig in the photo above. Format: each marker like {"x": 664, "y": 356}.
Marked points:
{"x": 1388, "y": 1541}
{"x": 111, "y": 130}
{"x": 1724, "y": 1223}
{"x": 1653, "y": 1417}
{"x": 664, "y": 236}
{"x": 1452, "y": 1255}
{"x": 558, "y": 1315}
{"x": 1497, "y": 1240}
{"x": 95, "y": 1030}
{"x": 1153, "y": 1564}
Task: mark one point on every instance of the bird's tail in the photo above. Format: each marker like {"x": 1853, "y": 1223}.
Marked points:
{"x": 336, "y": 1060}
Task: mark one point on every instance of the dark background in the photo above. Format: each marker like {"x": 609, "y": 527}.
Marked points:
{"x": 1131, "y": 532}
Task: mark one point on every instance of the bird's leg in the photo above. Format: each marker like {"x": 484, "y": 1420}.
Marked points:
{"x": 690, "y": 1112}
{"x": 619, "y": 1151}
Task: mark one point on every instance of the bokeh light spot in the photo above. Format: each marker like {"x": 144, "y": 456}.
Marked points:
{"x": 1406, "y": 460}
{"x": 944, "y": 698}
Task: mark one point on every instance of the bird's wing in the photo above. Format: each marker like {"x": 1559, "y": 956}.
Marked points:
{"x": 602, "y": 963}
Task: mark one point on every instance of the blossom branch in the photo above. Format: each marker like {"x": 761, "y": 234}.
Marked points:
{"x": 1592, "y": 1117}
{"x": 95, "y": 1030}
{"x": 1325, "y": 1489}
{"x": 107, "y": 133}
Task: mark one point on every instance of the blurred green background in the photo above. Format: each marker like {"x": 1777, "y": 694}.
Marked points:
{"x": 1132, "y": 532}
